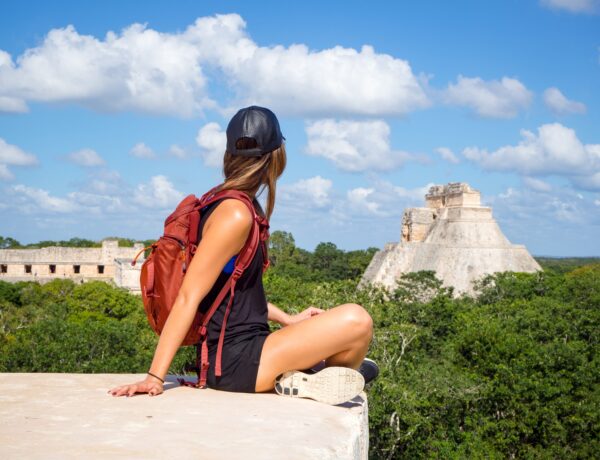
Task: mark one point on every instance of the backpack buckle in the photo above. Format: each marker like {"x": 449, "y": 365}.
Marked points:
{"x": 237, "y": 272}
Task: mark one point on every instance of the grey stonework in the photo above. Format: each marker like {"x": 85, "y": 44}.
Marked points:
{"x": 109, "y": 263}
{"x": 452, "y": 235}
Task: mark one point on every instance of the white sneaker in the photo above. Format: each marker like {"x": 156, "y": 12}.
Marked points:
{"x": 332, "y": 385}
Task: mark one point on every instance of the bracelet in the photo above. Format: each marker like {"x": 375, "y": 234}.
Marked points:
{"x": 155, "y": 376}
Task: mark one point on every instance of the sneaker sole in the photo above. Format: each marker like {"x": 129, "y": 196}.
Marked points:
{"x": 332, "y": 385}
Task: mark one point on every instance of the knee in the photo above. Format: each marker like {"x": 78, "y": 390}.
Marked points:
{"x": 359, "y": 321}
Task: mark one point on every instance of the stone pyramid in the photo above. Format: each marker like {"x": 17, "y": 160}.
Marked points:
{"x": 452, "y": 235}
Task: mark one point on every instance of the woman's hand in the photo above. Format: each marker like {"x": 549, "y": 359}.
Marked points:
{"x": 309, "y": 312}
{"x": 149, "y": 385}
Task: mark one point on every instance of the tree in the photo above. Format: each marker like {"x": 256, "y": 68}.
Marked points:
{"x": 281, "y": 247}
{"x": 9, "y": 243}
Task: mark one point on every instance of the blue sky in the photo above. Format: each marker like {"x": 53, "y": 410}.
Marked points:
{"x": 113, "y": 111}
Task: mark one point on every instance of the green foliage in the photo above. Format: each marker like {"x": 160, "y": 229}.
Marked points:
{"x": 326, "y": 263}
{"x": 62, "y": 326}
{"x": 562, "y": 265}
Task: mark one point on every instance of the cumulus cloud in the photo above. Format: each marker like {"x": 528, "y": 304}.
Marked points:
{"x": 102, "y": 204}
{"x": 556, "y": 101}
{"x": 534, "y": 208}
{"x": 33, "y": 199}
{"x": 5, "y": 173}
{"x": 381, "y": 199}
{"x": 104, "y": 193}
{"x": 177, "y": 152}
{"x": 141, "y": 150}
{"x": 359, "y": 197}
{"x": 12, "y": 105}
{"x": 354, "y": 145}
{"x": 213, "y": 141}
{"x": 573, "y": 6}
{"x": 86, "y": 157}
{"x": 447, "y": 154}
{"x": 139, "y": 69}
{"x": 537, "y": 184}
{"x": 491, "y": 99}
{"x": 555, "y": 150}
{"x": 158, "y": 193}
{"x": 145, "y": 70}
{"x": 296, "y": 80}
{"x": 13, "y": 156}
{"x": 314, "y": 192}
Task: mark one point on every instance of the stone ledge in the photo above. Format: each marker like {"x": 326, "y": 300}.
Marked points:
{"x": 70, "y": 416}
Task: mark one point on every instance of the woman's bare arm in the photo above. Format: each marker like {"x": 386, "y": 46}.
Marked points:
{"x": 224, "y": 235}
{"x": 283, "y": 318}
{"x": 277, "y": 315}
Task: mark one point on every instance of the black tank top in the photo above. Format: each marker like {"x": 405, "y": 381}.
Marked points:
{"x": 248, "y": 315}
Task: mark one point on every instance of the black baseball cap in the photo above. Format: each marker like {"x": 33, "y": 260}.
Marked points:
{"x": 257, "y": 123}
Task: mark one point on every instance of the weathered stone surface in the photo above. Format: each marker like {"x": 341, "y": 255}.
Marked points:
{"x": 108, "y": 263}
{"x": 454, "y": 236}
{"x": 71, "y": 416}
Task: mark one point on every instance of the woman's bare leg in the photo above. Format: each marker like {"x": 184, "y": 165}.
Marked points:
{"x": 341, "y": 336}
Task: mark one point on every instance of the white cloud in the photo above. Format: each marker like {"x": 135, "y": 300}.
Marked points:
{"x": 354, "y": 145}
{"x": 380, "y": 198}
{"x": 590, "y": 182}
{"x": 86, "y": 157}
{"x": 314, "y": 192}
{"x": 33, "y": 199}
{"x": 145, "y": 70}
{"x": 537, "y": 184}
{"x": 159, "y": 193}
{"x": 5, "y": 173}
{"x": 447, "y": 154}
{"x": 490, "y": 99}
{"x": 359, "y": 197}
{"x": 296, "y": 80}
{"x": 139, "y": 69}
{"x": 554, "y": 150}
{"x": 573, "y": 6}
{"x": 535, "y": 210}
{"x": 141, "y": 150}
{"x": 104, "y": 193}
{"x": 12, "y": 105}
{"x": 104, "y": 181}
{"x": 178, "y": 152}
{"x": 559, "y": 104}
{"x": 213, "y": 141}
{"x": 14, "y": 156}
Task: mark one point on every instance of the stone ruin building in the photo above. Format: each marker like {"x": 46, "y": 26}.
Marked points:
{"x": 108, "y": 263}
{"x": 452, "y": 235}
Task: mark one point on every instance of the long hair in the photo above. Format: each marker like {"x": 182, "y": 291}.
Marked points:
{"x": 249, "y": 174}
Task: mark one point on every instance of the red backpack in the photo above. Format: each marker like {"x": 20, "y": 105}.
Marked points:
{"x": 164, "y": 269}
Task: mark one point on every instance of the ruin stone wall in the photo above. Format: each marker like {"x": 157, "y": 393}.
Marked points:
{"x": 416, "y": 223}
{"x": 78, "y": 264}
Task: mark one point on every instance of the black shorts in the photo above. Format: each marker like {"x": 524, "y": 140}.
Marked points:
{"x": 239, "y": 365}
